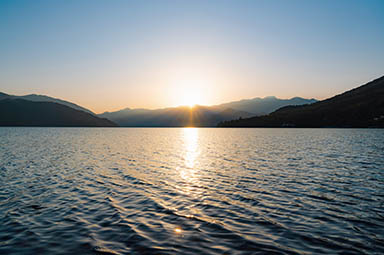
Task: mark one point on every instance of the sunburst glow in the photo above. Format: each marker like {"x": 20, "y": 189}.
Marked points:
{"x": 190, "y": 97}
{"x": 191, "y": 92}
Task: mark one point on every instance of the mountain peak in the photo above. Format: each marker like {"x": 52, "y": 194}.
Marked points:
{"x": 359, "y": 107}
{"x": 21, "y": 112}
{"x": 43, "y": 98}
{"x": 261, "y": 106}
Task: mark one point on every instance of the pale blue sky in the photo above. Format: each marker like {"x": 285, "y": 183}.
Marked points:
{"x": 107, "y": 55}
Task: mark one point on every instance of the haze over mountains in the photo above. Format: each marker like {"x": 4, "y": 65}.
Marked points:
{"x": 359, "y": 107}
{"x": 18, "y": 110}
{"x": 266, "y": 105}
{"x": 200, "y": 116}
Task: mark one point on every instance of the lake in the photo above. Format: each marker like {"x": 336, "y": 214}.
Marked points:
{"x": 191, "y": 191}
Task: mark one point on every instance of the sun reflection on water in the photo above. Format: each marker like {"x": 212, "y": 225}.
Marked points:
{"x": 191, "y": 151}
{"x": 178, "y": 230}
{"x": 191, "y": 146}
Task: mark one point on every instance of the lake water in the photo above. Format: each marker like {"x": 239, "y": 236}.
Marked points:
{"x": 191, "y": 191}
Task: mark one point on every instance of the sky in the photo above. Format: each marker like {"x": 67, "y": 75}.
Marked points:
{"x": 109, "y": 55}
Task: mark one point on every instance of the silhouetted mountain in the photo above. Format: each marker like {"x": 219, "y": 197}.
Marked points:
{"x": 359, "y": 107}
{"x": 203, "y": 116}
{"x": 20, "y": 112}
{"x": 199, "y": 116}
{"x": 266, "y": 105}
{"x": 42, "y": 98}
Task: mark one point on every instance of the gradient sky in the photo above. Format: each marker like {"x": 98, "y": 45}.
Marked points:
{"x": 108, "y": 55}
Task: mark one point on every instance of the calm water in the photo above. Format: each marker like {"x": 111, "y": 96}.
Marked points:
{"x": 191, "y": 191}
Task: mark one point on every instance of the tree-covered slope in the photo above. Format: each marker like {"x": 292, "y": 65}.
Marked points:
{"x": 359, "y": 107}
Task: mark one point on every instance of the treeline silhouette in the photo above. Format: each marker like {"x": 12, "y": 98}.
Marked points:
{"x": 359, "y": 108}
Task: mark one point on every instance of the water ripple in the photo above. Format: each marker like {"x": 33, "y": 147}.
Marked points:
{"x": 191, "y": 191}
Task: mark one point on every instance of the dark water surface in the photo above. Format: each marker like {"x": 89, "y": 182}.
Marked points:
{"x": 191, "y": 191}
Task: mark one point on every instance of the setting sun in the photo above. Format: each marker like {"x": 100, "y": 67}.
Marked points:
{"x": 190, "y": 92}
{"x": 190, "y": 97}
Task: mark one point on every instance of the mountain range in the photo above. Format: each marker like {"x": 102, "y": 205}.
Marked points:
{"x": 261, "y": 106}
{"x": 359, "y": 108}
{"x": 199, "y": 116}
{"x": 42, "y": 98}
{"x": 41, "y": 110}
{"x": 20, "y": 112}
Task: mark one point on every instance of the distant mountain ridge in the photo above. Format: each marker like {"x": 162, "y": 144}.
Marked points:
{"x": 359, "y": 107}
{"x": 42, "y": 98}
{"x": 203, "y": 116}
{"x": 266, "y": 105}
{"x": 21, "y": 112}
{"x": 199, "y": 116}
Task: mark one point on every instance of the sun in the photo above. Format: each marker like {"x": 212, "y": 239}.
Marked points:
{"x": 190, "y": 93}
{"x": 190, "y": 97}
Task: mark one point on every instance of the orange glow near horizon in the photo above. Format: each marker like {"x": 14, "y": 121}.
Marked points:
{"x": 189, "y": 96}
{"x": 190, "y": 87}
{"x": 114, "y": 55}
